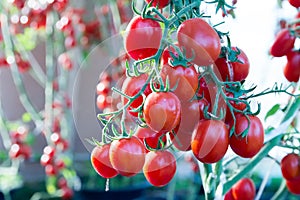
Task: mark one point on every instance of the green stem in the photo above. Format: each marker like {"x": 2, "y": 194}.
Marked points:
{"x": 14, "y": 69}
{"x": 49, "y": 73}
{"x": 281, "y": 191}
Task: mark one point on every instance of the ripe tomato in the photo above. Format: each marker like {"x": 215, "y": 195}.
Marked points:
{"x": 160, "y": 3}
{"x": 229, "y": 195}
{"x": 292, "y": 68}
{"x": 284, "y": 42}
{"x": 101, "y": 163}
{"x": 190, "y": 116}
{"x": 153, "y": 139}
{"x": 290, "y": 166}
{"x": 237, "y": 105}
{"x": 210, "y": 141}
{"x": 159, "y": 168}
{"x": 293, "y": 186}
{"x": 250, "y": 145}
{"x": 295, "y": 3}
{"x": 185, "y": 79}
{"x": 127, "y": 155}
{"x": 244, "y": 189}
{"x": 162, "y": 111}
{"x": 233, "y": 71}
{"x": 200, "y": 40}
{"x": 142, "y": 38}
{"x": 131, "y": 86}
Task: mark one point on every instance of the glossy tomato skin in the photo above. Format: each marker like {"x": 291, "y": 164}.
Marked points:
{"x": 101, "y": 163}
{"x": 250, "y": 145}
{"x": 200, "y": 40}
{"x": 229, "y": 195}
{"x": 160, "y": 167}
{"x": 290, "y": 166}
{"x": 244, "y": 189}
{"x": 284, "y": 42}
{"x": 124, "y": 150}
{"x": 293, "y": 186}
{"x": 233, "y": 71}
{"x": 160, "y": 3}
{"x": 183, "y": 79}
{"x": 210, "y": 141}
{"x": 132, "y": 86}
{"x": 153, "y": 139}
{"x": 291, "y": 70}
{"x": 142, "y": 38}
{"x": 162, "y": 111}
{"x": 295, "y": 3}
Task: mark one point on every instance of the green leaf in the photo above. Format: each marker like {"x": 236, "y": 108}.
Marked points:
{"x": 28, "y": 39}
{"x": 26, "y": 117}
{"x": 272, "y": 111}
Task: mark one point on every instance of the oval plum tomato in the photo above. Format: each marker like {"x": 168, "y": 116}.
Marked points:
{"x": 229, "y": 195}
{"x": 251, "y": 144}
{"x": 101, "y": 163}
{"x": 153, "y": 139}
{"x": 142, "y": 38}
{"x": 293, "y": 186}
{"x": 295, "y": 3}
{"x": 159, "y": 3}
{"x": 159, "y": 168}
{"x": 190, "y": 116}
{"x": 199, "y": 40}
{"x": 131, "y": 86}
{"x": 233, "y": 71}
{"x": 162, "y": 111}
{"x": 291, "y": 70}
{"x": 290, "y": 166}
{"x": 284, "y": 42}
{"x": 183, "y": 79}
{"x": 210, "y": 141}
{"x": 244, "y": 189}
{"x": 127, "y": 155}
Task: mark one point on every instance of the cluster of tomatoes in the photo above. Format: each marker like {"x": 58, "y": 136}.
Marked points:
{"x": 290, "y": 168}
{"x": 22, "y": 64}
{"x": 178, "y": 102}
{"x": 19, "y": 148}
{"x": 284, "y": 45}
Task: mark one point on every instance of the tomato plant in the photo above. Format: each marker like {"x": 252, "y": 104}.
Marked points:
{"x": 160, "y": 167}
{"x": 210, "y": 141}
{"x": 247, "y": 145}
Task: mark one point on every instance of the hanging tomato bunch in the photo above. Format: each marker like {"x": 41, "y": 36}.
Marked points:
{"x": 184, "y": 91}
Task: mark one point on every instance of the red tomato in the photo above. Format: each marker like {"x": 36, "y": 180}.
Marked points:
{"x": 210, "y": 141}
{"x": 101, "y": 163}
{"x": 131, "y": 86}
{"x": 250, "y": 145}
{"x": 142, "y": 38}
{"x": 295, "y": 3}
{"x": 127, "y": 155}
{"x": 233, "y": 71}
{"x": 293, "y": 186}
{"x": 190, "y": 116}
{"x": 284, "y": 42}
{"x": 290, "y": 166}
{"x": 292, "y": 68}
{"x": 237, "y": 105}
{"x": 162, "y": 111}
{"x": 229, "y": 195}
{"x": 151, "y": 138}
{"x": 159, "y": 3}
{"x": 200, "y": 40}
{"x": 183, "y": 79}
{"x": 244, "y": 189}
{"x": 159, "y": 168}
